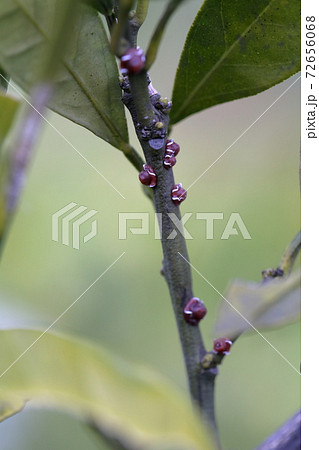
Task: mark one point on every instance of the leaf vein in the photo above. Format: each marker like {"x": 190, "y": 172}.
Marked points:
{"x": 202, "y": 82}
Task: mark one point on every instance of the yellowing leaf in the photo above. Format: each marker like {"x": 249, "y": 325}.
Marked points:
{"x": 133, "y": 404}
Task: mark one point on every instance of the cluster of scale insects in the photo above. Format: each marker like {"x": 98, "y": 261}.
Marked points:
{"x": 133, "y": 62}
{"x": 148, "y": 177}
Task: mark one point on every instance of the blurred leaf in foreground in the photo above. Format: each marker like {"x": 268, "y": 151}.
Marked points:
{"x": 8, "y": 109}
{"x": 132, "y": 404}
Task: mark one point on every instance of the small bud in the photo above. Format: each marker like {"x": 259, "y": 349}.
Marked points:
{"x": 147, "y": 176}
{"x": 207, "y": 361}
{"x": 222, "y": 346}
{"x": 163, "y": 104}
{"x": 194, "y": 311}
{"x": 159, "y": 125}
{"x": 133, "y": 61}
{"x": 178, "y": 194}
{"x": 167, "y": 108}
{"x": 172, "y": 146}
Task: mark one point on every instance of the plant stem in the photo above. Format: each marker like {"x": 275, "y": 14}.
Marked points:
{"x": 16, "y": 158}
{"x": 290, "y": 254}
{"x": 287, "y": 437}
{"x": 18, "y": 153}
{"x": 143, "y": 103}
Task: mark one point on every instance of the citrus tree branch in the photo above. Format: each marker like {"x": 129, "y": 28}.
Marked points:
{"x": 151, "y": 124}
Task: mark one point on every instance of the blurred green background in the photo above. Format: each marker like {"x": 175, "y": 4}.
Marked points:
{"x": 129, "y": 309}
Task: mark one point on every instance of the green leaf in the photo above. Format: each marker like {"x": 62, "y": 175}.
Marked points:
{"x": 86, "y": 87}
{"x": 133, "y": 404}
{"x": 275, "y": 302}
{"x": 236, "y": 48}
